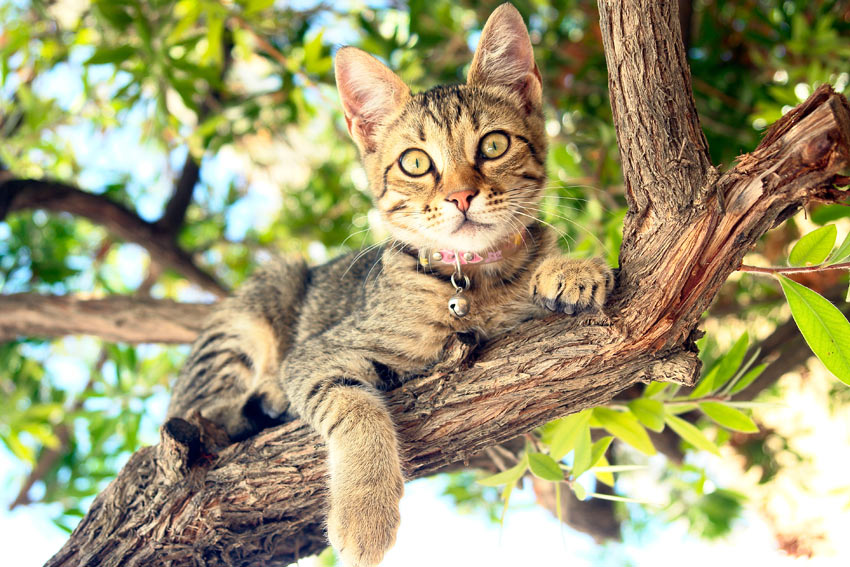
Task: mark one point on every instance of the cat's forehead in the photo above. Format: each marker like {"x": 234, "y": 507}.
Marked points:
{"x": 450, "y": 112}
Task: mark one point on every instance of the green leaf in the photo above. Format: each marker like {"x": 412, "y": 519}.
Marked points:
{"x": 676, "y": 408}
{"x": 545, "y": 467}
{"x": 823, "y": 326}
{"x": 655, "y": 388}
{"x": 508, "y": 477}
{"x": 649, "y": 412}
{"x": 829, "y": 213}
{"x": 579, "y": 491}
{"x": 841, "y": 253}
{"x": 506, "y": 496}
{"x": 597, "y": 451}
{"x": 254, "y": 6}
{"x": 814, "y": 247}
{"x": 725, "y": 368}
{"x": 706, "y": 383}
{"x": 625, "y": 426}
{"x": 741, "y": 372}
{"x": 729, "y": 417}
{"x": 602, "y": 473}
{"x": 583, "y": 450}
{"x": 747, "y": 379}
{"x": 106, "y": 55}
{"x": 566, "y": 433}
{"x": 313, "y": 61}
{"x": 21, "y": 451}
{"x": 691, "y": 434}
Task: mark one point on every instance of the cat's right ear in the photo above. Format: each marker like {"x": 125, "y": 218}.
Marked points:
{"x": 370, "y": 93}
{"x": 504, "y": 57}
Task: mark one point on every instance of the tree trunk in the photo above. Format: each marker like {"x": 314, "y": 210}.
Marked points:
{"x": 261, "y": 501}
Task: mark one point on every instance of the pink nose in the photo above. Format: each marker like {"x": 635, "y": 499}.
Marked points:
{"x": 462, "y": 199}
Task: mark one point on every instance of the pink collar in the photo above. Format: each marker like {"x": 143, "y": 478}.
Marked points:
{"x": 428, "y": 256}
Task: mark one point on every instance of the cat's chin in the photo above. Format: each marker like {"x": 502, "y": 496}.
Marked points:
{"x": 470, "y": 237}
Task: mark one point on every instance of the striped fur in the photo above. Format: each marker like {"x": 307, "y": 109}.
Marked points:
{"x": 321, "y": 343}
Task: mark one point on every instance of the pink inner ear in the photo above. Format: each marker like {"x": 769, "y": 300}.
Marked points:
{"x": 505, "y": 57}
{"x": 369, "y": 91}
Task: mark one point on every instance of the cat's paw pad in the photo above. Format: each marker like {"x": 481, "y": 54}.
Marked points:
{"x": 564, "y": 285}
{"x": 362, "y": 523}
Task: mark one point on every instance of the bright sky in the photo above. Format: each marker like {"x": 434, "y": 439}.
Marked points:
{"x": 434, "y": 533}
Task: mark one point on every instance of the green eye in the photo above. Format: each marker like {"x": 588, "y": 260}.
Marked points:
{"x": 494, "y": 145}
{"x": 415, "y": 163}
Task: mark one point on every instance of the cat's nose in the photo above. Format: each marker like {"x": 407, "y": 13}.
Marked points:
{"x": 462, "y": 199}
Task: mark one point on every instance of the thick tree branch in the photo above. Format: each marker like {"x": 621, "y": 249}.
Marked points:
{"x": 262, "y": 500}
{"x": 114, "y": 318}
{"x": 22, "y": 194}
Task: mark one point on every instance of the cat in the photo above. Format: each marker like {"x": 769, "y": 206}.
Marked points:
{"x": 456, "y": 173}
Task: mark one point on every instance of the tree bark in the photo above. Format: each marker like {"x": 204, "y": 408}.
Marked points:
{"x": 114, "y": 318}
{"x": 261, "y": 501}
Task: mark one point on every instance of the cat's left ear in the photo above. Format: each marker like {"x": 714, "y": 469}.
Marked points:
{"x": 504, "y": 57}
{"x": 370, "y": 94}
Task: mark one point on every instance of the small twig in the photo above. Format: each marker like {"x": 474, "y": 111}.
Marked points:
{"x": 794, "y": 270}
{"x": 505, "y": 453}
{"x": 496, "y": 458}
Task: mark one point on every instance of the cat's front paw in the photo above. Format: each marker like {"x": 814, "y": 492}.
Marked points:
{"x": 364, "y": 518}
{"x": 565, "y": 285}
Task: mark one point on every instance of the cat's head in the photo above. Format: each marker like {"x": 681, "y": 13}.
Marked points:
{"x": 458, "y": 166}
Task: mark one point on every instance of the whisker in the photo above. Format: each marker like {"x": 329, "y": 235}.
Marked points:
{"x": 362, "y": 253}
{"x": 550, "y": 225}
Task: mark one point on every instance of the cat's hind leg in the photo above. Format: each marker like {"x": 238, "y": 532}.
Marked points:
{"x": 231, "y": 374}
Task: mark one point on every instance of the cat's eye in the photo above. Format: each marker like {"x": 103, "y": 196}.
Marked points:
{"x": 494, "y": 144}
{"x": 415, "y": 162}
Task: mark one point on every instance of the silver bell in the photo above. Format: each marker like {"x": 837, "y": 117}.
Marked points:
{"x": 459, "y": 305}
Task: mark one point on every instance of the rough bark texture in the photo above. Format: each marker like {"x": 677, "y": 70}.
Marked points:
{"x": 261, "y": 501}
{"x": 114, "y": 318}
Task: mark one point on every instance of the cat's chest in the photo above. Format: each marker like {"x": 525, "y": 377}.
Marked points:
{"x": 419, "y": 321}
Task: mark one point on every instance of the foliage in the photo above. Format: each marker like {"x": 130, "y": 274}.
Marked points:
{"x": 112, "y": 96}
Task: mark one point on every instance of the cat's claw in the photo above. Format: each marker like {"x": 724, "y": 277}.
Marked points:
{"x": 564, "y": 285}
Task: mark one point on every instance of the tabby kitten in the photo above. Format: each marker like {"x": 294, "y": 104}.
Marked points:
{"x": 454, "y": 171}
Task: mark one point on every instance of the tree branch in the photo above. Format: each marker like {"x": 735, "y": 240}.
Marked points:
{"x": 114, "y": 318}
{"x": 175, "y": 210}
{"x": 795, "y": 269}
{"x": 21, "y": 194}
{"x": 262, "y": 500}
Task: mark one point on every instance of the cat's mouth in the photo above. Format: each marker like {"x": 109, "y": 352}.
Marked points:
{"x": 469, "y": 227}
